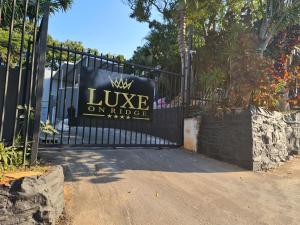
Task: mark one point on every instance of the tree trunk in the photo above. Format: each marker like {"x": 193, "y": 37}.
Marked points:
{"x": 183, "y": 49}
{"x": 264, "y": 35}
{"x": 263, "y": 44}
{"x": 181, "y": 37}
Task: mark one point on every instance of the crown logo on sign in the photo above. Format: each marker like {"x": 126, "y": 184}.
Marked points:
{"x": 121, "y": 83}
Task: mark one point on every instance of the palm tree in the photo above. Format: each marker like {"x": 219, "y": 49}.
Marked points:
{"x": 57, "y": 5}
{"x": 7, "y": 6}
{"x": 171, "y": 10}
{"x": 181, "y": 9}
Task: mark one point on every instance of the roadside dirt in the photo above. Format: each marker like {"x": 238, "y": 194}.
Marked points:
{"x": 8, "y": 177}
{"x": 65, "y": 218}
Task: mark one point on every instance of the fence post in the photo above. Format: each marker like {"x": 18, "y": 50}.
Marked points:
{"x": 39, "y": 83}
{"x": 189, "y": 69}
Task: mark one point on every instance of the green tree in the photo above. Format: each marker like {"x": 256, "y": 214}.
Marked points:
{"x": 172, "y": 11}
{"x": 160, "y": 49}
{"x": 275, "y": 16}
{"x": 74, "y": 46}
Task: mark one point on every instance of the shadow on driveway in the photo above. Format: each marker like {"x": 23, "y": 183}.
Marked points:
{"x": 107, "y": 164}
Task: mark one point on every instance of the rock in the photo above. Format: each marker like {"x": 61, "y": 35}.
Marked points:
{"x": 33, "y": 200}
{"x": 257, "y": 159}
{"x": 274, "y": 139}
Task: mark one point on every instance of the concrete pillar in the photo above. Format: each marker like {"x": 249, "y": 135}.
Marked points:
{"x": 191, "y": 131}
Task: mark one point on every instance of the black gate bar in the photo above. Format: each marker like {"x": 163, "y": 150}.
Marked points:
{"x": 20, "y": 71}
{"x": 9, "y": 49}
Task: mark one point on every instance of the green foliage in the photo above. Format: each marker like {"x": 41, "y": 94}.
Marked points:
{"x": 16, "y": 45}
{"x": 212, "y": 79}
{"x": 160, "y": 49}
{"x": 58, "y": 5}
{"x": 17, "y": 155}
{"x": 268, "y": 94}
{"x": 53, "y": 57}
{"x": 68, "y": 44}
{"x": 227, "y": 37}
{"x": 10, "y": 157}
{"x": 47, "y": 128}
{"x": 273, "y": 17}
{"x": 55, "y": 6}
{"x": 143, "y": 9}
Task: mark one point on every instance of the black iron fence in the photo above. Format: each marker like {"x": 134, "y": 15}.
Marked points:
{"x": 23, "y": 28}
{"x": 203, "y": 96}
{"x": 60, "y": 103}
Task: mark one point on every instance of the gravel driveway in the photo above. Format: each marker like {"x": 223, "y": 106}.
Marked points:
{"x": 173, "y": 187}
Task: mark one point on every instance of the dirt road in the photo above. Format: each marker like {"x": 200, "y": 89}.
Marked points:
{"x": 174, "y": 187}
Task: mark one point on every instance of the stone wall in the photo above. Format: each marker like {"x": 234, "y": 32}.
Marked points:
{"x": 33, "y": 200}
{"x": 270, "y": 143}
{"x": 254, "y": 139}
{"x": 293, "y": 132}
{"x": 228, "y": 138}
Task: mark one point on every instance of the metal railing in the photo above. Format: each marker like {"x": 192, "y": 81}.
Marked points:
{"x": 23, "y": 24}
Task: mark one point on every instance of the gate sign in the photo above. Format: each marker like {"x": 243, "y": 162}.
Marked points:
{"x": 114, "y": 96}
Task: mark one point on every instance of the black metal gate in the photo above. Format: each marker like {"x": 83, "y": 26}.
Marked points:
{"x": 41, "y": 83}
{"x": 60, "y": 104}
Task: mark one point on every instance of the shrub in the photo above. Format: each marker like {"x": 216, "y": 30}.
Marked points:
{"x": 10, "y": 157}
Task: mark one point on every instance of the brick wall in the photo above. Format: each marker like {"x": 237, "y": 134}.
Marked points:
{"x": 228, "y": 138}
